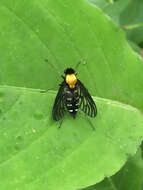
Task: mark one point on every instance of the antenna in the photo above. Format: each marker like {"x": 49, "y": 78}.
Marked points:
{"x": 79, "y": 63}
{"x": 53, "y": 66}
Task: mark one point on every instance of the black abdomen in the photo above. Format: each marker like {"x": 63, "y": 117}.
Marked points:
{"x": 72, "y": 100}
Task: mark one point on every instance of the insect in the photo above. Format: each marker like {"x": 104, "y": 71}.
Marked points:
{"x": 71, "y": 96}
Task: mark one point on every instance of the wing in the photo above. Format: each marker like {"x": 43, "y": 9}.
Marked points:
{"x": 59, "y": 105}
{"x": 87, "y": 104}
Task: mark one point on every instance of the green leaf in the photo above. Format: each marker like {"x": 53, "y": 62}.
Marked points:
{"x": 35, "y": 154}
{"x": 115, "y": 9}
{"x": 49, "y": 30}
{"x": 56, "y": 31}
{"x": 127, "y": 14}
{"x": 129, "y": 177}
{"x": 132, "y": 20}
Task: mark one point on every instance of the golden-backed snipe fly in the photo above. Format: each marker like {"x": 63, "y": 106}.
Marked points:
{"x": 71, "y": 96}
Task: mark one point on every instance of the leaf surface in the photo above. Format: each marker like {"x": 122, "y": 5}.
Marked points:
{"x": 37, "y": 30}
{"x": 36, "y": 155}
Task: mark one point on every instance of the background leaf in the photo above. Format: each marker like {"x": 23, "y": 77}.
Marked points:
{"x": 129, "y": 177}
{"x": 128, "y": 15}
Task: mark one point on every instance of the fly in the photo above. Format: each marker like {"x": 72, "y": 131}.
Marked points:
{"x": 72, "y": 96}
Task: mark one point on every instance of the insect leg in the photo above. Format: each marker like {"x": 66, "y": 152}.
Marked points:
{"x": 92, "y": 126}
{"x": 60, "y": 124}
{"x": 44, "y": 91}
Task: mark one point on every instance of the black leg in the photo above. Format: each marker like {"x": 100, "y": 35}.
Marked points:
{"x": 92, "y": 126}
{"x": 87, "y": 118}
{"x": 44, "y": 91}
{"x": 60, "y": 124}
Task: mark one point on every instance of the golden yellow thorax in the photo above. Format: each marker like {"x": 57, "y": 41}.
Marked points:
{"x": 71, "y": 80}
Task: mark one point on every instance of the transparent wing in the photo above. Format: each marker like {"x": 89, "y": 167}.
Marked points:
{"x": 59, "y": 105}
{"x": 87, "y": 105}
